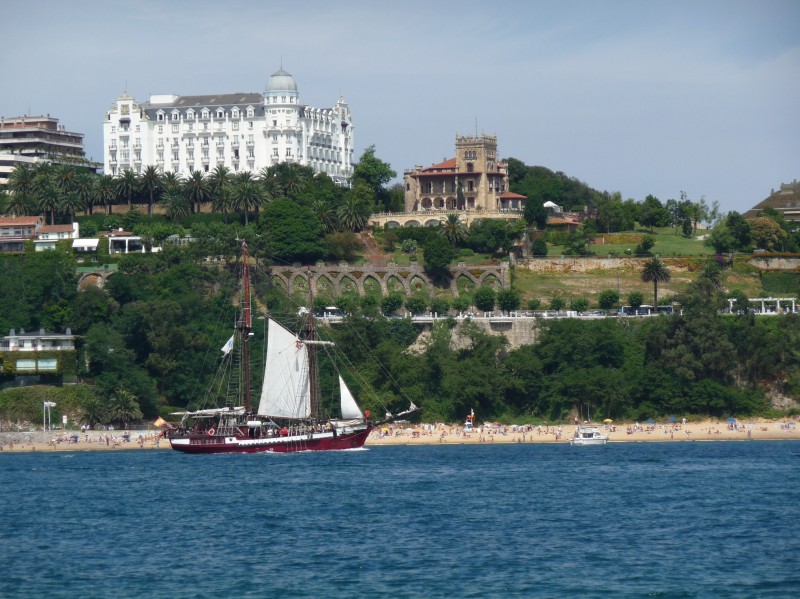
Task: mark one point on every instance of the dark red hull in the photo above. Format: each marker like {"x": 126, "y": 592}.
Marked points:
{"x": 240, "y": 444}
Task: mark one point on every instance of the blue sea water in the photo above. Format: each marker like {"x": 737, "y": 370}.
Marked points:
{"x": 624, "y": 520}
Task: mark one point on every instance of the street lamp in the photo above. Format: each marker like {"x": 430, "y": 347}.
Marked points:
{"x": 46, "y": 422}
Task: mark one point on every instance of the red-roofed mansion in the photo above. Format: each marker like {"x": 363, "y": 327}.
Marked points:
{"x": 473, "y": 180}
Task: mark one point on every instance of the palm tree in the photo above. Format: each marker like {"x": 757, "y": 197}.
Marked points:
{"x": 127, "y": 185}
{"x": 21, "y": 180}
{"x": 64, "y": 177}
{"x": 84, "y": 187}
{"x": 71, "y": 202}
{"x": 50, "y": 201}
{"x": 176, "y": 204}
{"x": 197, "y": 189}
{"x": 150, "y": 182}
{"x": 171, "y": 180}
{"x": 325, "y": 214}
{"x": 105, "y": 191}
{"x": 453, "y": 229}
{"x": 91, "y": 411}
{"x": 247, "y": 193}
{"x": 655, "y": 272}
{"x": 352, "y": 214}
{"x": 712, "y": 273}
{"x": 220, "y": 183}
{"x": 18, "y": 204}
{"x": 123, "y": 407}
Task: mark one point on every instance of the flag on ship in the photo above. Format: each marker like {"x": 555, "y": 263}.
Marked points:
{"x": 160, "y": 422}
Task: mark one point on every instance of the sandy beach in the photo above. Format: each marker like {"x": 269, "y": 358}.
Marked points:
{"x": 704, "y": 430}
{"x": 436, "y": 434}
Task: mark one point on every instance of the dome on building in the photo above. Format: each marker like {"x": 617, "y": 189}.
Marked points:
{"x": 281, "y": 82}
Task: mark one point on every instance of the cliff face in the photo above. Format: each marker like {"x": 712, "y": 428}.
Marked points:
{"x": 518, "y": 331}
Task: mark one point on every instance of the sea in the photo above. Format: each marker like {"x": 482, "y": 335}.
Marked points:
{"x": 714, "y": 519}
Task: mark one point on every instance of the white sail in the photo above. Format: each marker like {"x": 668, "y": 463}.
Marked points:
{"x": 350, "y": 409}
{"x": 286, "y": 392}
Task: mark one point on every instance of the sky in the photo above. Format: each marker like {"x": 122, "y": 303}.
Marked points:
{"x": 637, "y": 97}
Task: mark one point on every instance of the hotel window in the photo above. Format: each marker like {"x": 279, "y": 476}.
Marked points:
{"x": 174, "y": 128}
{"x": 250, "y": 125}
{"x": 160, "y": 116}
{"x": 250, "y": 153}
{"x": 275, "y": 137}
{"x": 126, "y": 155}
{"x": 175, "y": 155}
{"x": 235, "y": 113}
{"x": 470, "y": 186}
{"x": 205, "y": 114}
{"x": 236, "y": 125}
{"x": 220, "y": 114}
{"x": 175, "y": 116}
{"x": 138, "y": 128}
{"x": 274, "y": 123}
{"x": 190, "y": 115}
{"x": 113, "y": 129}
{"x": 288, "y": 152}
{"x": 250, "y": 112}
{"x": 275, "y": 152}
{"x": 161, "y": 155}
{"x": 161, "y": 128}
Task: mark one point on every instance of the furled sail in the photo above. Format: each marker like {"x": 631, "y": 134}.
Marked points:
{"x": 286, "y": 392}
{"x": 350, "y": 409}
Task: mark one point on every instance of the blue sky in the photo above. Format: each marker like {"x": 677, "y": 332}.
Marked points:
{"x": 631, "y": 96}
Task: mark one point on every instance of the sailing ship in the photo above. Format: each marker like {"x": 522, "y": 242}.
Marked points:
{"x": 288, "y": 416}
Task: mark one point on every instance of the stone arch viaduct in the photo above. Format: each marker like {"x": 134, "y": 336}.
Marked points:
{"x": 336, "y": 280}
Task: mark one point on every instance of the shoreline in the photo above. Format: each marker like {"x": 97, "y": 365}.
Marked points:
{"x": 438, "y": 434}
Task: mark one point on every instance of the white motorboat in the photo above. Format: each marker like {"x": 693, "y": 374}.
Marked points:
{"x": 588, "y": 435}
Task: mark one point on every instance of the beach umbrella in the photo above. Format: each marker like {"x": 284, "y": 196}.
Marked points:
{"x": 649, "y": 421}
{"x": 608, "y": 421}
{"x": 731, "y": 419}
{"x": 673, "y": 419}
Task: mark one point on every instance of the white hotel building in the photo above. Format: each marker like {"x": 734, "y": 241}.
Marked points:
{"x": 242, "y": 131}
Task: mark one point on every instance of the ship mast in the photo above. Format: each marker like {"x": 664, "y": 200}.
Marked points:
{"x": 244, "y": 325}
{"x": 313, "y": 372}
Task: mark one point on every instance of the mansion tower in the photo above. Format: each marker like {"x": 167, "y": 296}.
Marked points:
{"x": 241, "y": 131}
{"x": 473, "y": 180}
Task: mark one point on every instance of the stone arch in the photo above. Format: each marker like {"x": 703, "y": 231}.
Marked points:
{"x": 466, "y": 283}
{"x": 412, "y": 223}
{"x": 371, "y": 285}
{"x": 394, "y": 283}
{"x": 419, "y": 286}
{"x": 490, "y": 280}
{"x": 299, "y": 284}
{"x": 427, "y": 204}
{"x": 280, "y": 282}
{"x": 392, "y": 224}
{"x": 324, "y": 287}
{"x": 347, "y": 284}
{"x": 92, "y": 279}
{"x": 432, "y": 222}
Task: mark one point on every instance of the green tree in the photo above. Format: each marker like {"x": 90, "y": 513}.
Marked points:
{"x": 127, "y": 184}
{"x": 197, "y": 190}
{"x": 539, "y": 247}
{"x": 123, "y": 408}
{"x": 508, "y": 300}
{"x": 391, "y": 304}
{"x": 655, "y": 272}
{"x": 579, "y": 304}
{"x": 440, "y": 305}
{"x": 247, "y": 195}
{"x": 484, "y": 298}
{"x": 453, "y": 229}
{"x": 767, "y": 234}
{"x": 557, "y": 303}
{"x": 354, "y": 212}
{"x": 535, "y": 213}
{"x": 150, "y": 183}
{"x": 635, "y": 300}
{"x": 293, "y": 232}
{"x": 415, "y": 304}
{"x": 608, "y": 299}
{"x": 375, "y": 174}
{"x": 438, "y": 255}
{"x": 105, "y": 191}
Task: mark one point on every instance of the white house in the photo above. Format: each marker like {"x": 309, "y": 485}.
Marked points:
{"x": 49, "y": 235}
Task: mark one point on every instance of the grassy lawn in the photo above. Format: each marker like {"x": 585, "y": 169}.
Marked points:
{"x": 667, "y": 244}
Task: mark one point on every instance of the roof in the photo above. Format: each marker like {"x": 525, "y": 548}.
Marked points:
{"x": 281, "y": 81}
{"x": 240, "y": 98}
{"x": 55, "y": 229}
{"x": 512, "y": 196}
{"x": 19, "y": 220}
{"x": 785, "y": 201}
{"x": 447, "y": 164}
